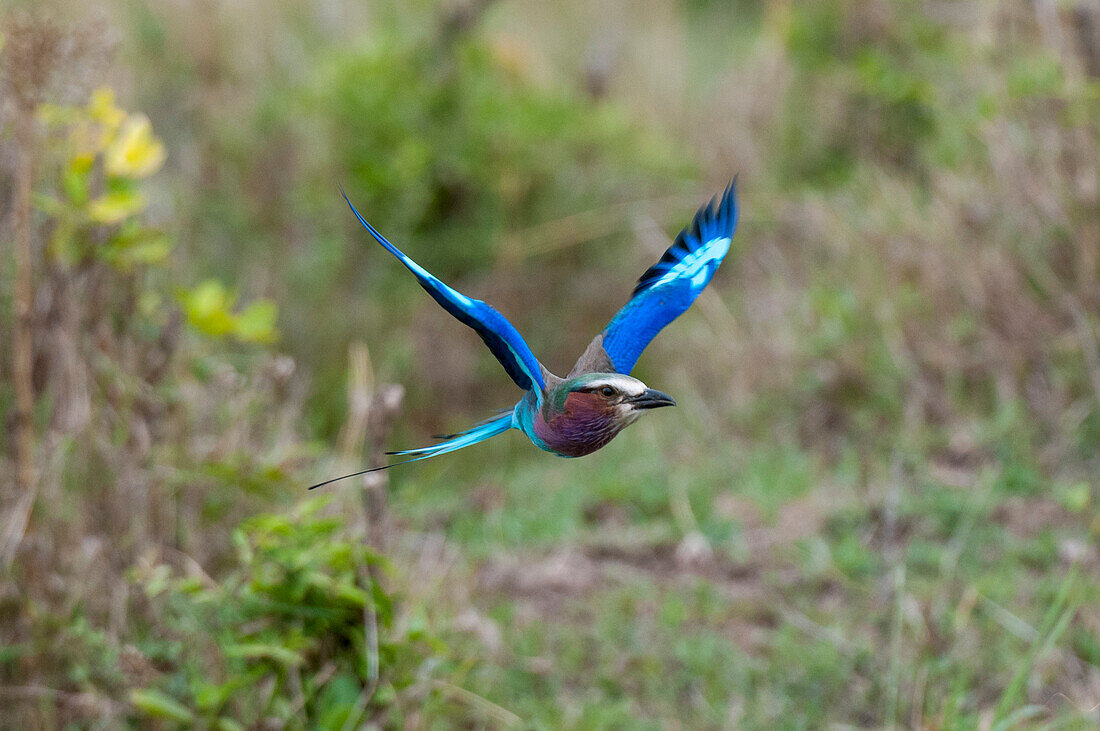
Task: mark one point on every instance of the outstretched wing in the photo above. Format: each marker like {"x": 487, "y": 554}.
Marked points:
{"x": 499, "y": 334}
{"x": 670, "y": 286}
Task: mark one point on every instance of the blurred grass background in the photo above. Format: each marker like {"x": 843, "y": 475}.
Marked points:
{"x": 876, "y": 506}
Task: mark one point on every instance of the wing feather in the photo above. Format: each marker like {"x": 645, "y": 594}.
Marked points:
{"x": 669, "y": 287}
{"x": 501, "y": 336}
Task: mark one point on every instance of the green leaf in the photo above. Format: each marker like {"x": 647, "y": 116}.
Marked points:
{"x": 1075, "y": 498}
{"x": 228, "y": 724}
{"x": 116, "y": 206}
{"x": 146, "y": 247}
{"x": 256, "y": 324}
{"x": 256, "y": 651}
{"x": 10, "y": 653}
{"x": 210, "y": 697}
{"x": 76, "y": 185}
{"x": 1054, "y": 623}
{"x": 1035, "y": 77}
{"x": 337, "y": 716}
{"x": 50, "y": 206}
{"x": 352, "y": 594}
{"x": 158, "y": 581}
{"x": 158, "y": 705}
{"x": 207, "y": 308}
{"x": 1017, "y": 718}
{"x": 151, "y": 250}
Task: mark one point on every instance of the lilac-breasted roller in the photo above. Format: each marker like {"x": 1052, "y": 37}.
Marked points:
{"x": 578, "y": 414}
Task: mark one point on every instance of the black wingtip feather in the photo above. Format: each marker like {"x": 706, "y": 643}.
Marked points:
{"x": 719, "y": 216}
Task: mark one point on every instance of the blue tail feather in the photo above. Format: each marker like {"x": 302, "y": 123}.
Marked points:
{"x": 479, "y": 433}
{"x": 475, "y": 434}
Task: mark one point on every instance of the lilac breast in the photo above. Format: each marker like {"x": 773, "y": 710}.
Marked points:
{"x": 584, "y": 426}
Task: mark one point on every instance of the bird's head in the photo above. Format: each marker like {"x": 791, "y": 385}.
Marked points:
{"x": 617, "y": 397}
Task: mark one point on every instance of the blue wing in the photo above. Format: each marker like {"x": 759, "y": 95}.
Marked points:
{"x": 670, "y": 286}
{"x": 500, "y": 335}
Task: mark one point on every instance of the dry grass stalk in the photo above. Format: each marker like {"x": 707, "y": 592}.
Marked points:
{"x": 29, "y": 58}
{"x": 22, "y": 340}
{"x": 371, "y": 411}
{"x": 39, "y": 57}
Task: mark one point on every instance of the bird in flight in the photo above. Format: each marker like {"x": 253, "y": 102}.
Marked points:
{"x": 578, "y": 414}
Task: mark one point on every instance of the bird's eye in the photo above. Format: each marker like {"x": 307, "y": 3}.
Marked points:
{"x": 607, "y": 392}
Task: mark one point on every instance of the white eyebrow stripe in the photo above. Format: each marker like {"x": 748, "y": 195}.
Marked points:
{"x": 626, "y": 384}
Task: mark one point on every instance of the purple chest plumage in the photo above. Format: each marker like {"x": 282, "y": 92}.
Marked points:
{"x": 584, "y": 424}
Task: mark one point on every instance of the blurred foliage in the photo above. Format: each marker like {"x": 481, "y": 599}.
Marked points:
{"x": 102, "y": 154}
{"x": 463, "y": 148}
{"x": 209, "y": 309}
{"x": 126, "y": 402}
{"x": 295, "y": 630}
{"x": 126, "y": 151}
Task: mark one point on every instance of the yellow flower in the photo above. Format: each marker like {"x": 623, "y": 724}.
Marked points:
{"x": 102, "y": 109}
{"x": 135, "y": 152}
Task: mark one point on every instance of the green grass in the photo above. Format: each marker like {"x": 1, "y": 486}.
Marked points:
{"x": 824, "y": 600}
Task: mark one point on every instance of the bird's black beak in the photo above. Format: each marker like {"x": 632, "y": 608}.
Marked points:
{"x": 651, "y": 398}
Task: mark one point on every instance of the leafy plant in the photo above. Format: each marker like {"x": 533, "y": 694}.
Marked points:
{"x": 105, "y": 154}
{"x": 209, "y": 309}
{"x": 102, "y": 157}
{"x": 298, "y": 628}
